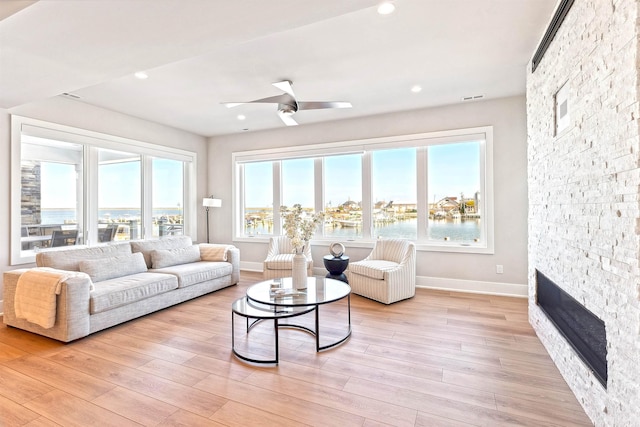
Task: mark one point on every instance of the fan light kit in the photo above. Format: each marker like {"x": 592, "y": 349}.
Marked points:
{"x": 288, "y": 105}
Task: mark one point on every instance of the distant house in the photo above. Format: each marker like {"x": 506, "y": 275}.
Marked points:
{"x": 445, "y": 205}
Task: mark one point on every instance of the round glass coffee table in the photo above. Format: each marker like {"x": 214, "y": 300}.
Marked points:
{"x": 277, "y": 299}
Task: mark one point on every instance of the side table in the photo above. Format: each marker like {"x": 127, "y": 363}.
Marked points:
{"x": 336, "y": 267}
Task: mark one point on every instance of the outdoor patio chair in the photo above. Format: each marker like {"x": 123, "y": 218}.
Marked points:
{"x": 63, "y": 238}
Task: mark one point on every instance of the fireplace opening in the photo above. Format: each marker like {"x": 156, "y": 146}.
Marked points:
{"x": 582, "y": 329}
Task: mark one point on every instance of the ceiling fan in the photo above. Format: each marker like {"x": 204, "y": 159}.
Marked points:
{"x": 288, "y": 105}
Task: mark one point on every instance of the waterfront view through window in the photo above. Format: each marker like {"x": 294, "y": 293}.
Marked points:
{"x": 74, "y": 193}
{"x": 439, "y": 185}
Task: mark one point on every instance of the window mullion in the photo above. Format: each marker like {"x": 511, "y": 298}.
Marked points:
{"x": 367, "y": 191}
{"x": 147, "y": 197}
{"x": 318, "y": 168}
{"x": 422, "y": 196}
{"x": 277, "y": 196}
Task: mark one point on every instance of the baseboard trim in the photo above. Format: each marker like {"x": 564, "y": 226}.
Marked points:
{"x": 473, "y": 286}
{"x": 438, "y": 283}
{"x": 251, "y": 266}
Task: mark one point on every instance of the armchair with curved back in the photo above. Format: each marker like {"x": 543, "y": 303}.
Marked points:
{"x": 387, "y": 274}
{"x": 280, "y": 258}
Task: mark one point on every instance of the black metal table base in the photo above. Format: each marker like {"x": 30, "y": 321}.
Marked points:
{"x": 256, "y": 312}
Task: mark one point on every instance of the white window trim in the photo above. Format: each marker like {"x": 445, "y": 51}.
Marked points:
{"x": 40, "y": 128}
{"x": 484, "y": 133}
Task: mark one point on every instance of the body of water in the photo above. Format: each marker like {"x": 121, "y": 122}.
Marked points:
{"x": 462, "y": 230}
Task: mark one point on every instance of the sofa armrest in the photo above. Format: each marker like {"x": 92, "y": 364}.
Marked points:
{"x": 72, "y": 308}
{"x": 233, "y": 257}
{"x": 218, "y": 252}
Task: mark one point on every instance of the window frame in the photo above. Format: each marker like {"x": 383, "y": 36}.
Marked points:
{"x": 365, "y": 147}
{"x": 92, "y": 141}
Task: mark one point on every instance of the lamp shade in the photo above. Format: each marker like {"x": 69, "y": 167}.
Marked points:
{"x": 211, "y": 203}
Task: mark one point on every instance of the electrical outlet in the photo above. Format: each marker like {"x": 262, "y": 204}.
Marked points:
{"x": 499, "y": 269}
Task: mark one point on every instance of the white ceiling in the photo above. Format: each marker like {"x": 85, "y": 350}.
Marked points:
{"x": 200, "y": 53}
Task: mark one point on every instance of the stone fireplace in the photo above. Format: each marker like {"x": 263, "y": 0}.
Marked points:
{"x": 584, "y": 197}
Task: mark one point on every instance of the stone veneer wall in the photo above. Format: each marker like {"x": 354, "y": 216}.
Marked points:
{"x": 584, "y": 192}
{"x": 30, "y": 203}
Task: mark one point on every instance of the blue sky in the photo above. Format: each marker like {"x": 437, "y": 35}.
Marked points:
{"x": 118, "y": 185}
{"x": 452, "y": 169}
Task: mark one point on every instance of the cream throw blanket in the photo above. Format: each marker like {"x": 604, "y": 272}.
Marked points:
{"x": 36, "y": 290}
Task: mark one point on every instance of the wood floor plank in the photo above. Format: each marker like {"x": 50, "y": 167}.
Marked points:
{"x": 379, "y": 410}
{"x": 429, "y": 420}
{"x": 41, "y": 422}
{"x": 170, "y": 392}
{"x": 14, "y": 414}
{"x": 144, "y": 349}
{"x": 238, "y": 414}
{"x": 135, "y": 406}
{"x": 279, "y": 403}
{"x": 68, "y": 410}
{"x": 228, "y": 368}
{"x": 21, "y": 387}
{"x": 429, "y": 387}
{"x": 445, "y": 408}
{"x": 172, "y": 371}
{"x": 553, "y": 413}
{"x": 61, "y": 377}
{"x": 374, "y": 362}
{"x": 182, "y": 418}
{"x": 439, "y": 359}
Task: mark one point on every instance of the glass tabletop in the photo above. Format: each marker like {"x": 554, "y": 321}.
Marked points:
{"x": 320, "y": 290}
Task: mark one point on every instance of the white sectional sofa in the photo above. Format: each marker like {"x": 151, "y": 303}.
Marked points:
{"x": 123, "y": 281}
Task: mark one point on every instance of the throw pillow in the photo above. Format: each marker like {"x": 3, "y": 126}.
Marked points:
{"x": 146, "y": 246}
{"x": 213, "y": 251}
{"x": 113, "y": 267}
{"x": 161, "y": 258}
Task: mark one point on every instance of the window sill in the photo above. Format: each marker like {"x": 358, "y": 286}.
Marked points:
{"x": 420, "y": 247}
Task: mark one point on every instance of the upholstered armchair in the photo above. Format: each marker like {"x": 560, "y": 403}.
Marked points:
{"x": 388, "y": 274}
{"x": 280, "y": 258}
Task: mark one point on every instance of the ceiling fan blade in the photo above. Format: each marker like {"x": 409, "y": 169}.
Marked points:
{"x": 287, "y": 118}
{"x": 278, "y": 99}
{"x": 319, "y": 105}
{"x": 285, "y": 86}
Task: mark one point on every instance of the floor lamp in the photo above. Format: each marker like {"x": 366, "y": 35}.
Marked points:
{"x": 210, "y": 202}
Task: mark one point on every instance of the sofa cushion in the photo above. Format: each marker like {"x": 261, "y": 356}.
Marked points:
{"x": 146, "y": 246}
{"x": 112, "y": 267}
{"x": 69, "y": 259}
{"x": 125, "y": 290}
{"x": 161, "y": 258}
{"x": 372, "y": 268}
{"x": 197, "y": 272}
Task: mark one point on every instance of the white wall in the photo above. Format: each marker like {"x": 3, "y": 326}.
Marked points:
{"x": 437, "y": 269}
{"x": 72, "y": 113}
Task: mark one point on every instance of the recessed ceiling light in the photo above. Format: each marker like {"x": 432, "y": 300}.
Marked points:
{"x": 141, "y": 75}
{"x": 386, "y": 8}
{"x": 416, "y": 89}
{"x": 241, "y": 117}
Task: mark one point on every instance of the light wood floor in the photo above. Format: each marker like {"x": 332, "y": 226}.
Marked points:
{"x": 439, "y": 359}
